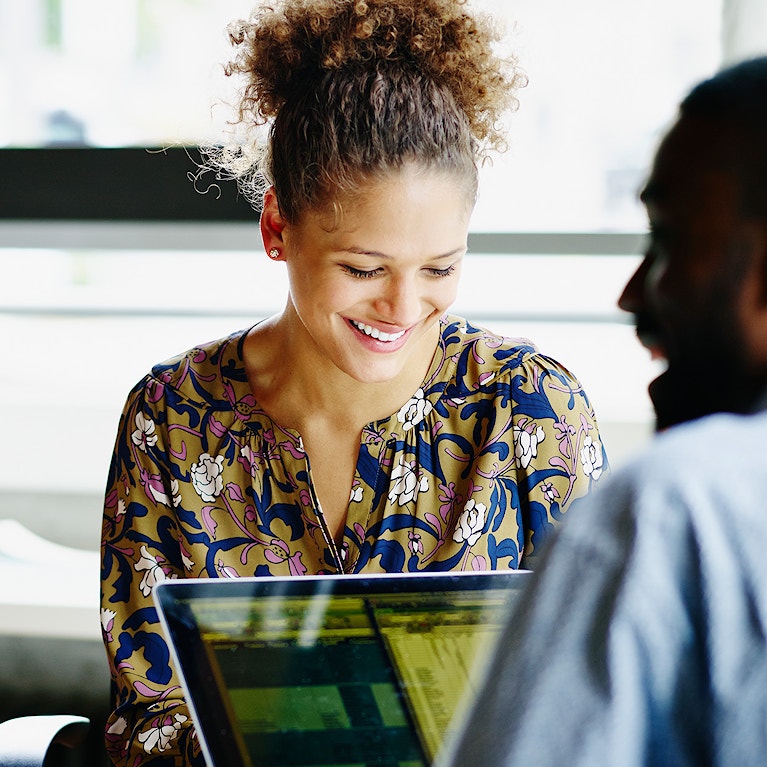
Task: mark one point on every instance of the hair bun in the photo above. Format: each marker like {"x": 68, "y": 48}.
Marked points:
{"x": 288, "y": 44}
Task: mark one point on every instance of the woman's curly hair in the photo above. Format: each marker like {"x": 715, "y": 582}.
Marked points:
{"x": 352, "y": 89}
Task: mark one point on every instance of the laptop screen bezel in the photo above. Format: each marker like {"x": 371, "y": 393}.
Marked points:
{"x": 218, "y": 738}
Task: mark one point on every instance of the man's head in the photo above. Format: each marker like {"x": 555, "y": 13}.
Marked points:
{"x": 700, "y": 295}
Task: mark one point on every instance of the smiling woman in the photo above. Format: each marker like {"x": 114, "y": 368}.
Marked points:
{"x": 362, "y": 428}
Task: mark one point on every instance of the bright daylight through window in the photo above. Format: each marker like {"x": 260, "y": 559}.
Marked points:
{"x": 604, "y": 80}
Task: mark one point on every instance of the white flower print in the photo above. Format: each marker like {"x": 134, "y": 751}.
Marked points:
{"x": 405, "y": 483}
{"x": 153, "y": 572}
{"x": 107, "y": 622}
{"x": 356, "y": 494}
{"x": 526, "y": 440}
{"x": 174, "y": 492}
{"x": 414, "y": 410}
{"x": 119, "y": 726}
{"x": 206, "y": 476}
{"x": 471, "y": 522}
{"x": 160, "y": 737}
{"x": 144, "y": 434}
{"x": 591, "y": 458}
{"x": 251, "y": 460}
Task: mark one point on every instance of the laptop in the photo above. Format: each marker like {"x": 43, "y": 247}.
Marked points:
{"x": 347, "y": 670}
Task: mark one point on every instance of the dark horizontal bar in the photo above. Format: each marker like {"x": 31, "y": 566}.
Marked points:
{"x": 125, "y": 184}
{"x": 82, "y": 188}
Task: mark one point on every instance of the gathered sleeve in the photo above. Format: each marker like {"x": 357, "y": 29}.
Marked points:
{"x": 140, "y": 547}
{"x": 558, "y": 451}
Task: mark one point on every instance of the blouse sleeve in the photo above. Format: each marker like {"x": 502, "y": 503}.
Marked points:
{"x": 558, "y": 450}
{"x": 150, "y": 723}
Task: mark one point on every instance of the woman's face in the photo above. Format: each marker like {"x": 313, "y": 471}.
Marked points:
{"x": 369, "y": 287}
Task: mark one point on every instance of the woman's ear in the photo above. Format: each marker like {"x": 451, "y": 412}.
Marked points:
{"x": 272, "y": 226}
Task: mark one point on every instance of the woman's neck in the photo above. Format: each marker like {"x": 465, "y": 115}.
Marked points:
{"x": 293, "y": 382}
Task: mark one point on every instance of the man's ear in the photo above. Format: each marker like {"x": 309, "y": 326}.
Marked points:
{"x": 752, "y": 303}
{"x": 272, "y": 225}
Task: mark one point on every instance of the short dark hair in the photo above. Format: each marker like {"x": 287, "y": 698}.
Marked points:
{"x": 736, "y": 98}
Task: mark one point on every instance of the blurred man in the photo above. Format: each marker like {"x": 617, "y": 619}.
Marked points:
{"x": 642, "y": 640}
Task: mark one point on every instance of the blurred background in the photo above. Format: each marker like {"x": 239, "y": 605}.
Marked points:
{"x": 111, "y": 260}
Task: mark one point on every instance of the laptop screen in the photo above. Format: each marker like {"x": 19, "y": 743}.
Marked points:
{"x": 329, "y": 670}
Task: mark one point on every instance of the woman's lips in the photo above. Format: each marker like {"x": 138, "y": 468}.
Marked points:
{"x": 379, "y": 335}
{"x": 379, "y": 340}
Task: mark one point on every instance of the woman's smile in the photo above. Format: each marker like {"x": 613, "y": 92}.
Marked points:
{"x": 368, "y": 288}
{"x": 380, "y": 340}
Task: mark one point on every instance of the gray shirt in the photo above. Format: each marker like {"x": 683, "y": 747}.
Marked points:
{"x": 641, "y": 640}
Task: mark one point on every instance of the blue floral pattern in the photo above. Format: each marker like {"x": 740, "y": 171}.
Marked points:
{"x": 470, "y": 474}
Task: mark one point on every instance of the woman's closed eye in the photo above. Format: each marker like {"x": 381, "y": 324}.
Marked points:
{"x": 442, "y": 272}
{"x": 362, "y": 274}
{"x": 366, "y": 274}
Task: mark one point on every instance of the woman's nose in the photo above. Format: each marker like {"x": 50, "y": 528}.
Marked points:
{"x": 400, "y": 302}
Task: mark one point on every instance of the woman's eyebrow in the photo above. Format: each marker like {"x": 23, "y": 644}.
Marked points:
{"x": 379, "y": 254}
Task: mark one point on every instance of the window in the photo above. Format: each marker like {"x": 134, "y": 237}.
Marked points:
{"x": 86, "y": 308}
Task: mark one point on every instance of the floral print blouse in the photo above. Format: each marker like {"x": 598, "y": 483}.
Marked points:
{"x": 470, "y": 474}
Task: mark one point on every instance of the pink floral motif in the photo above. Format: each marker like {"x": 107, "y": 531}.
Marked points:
{"x": 155, "y": 489}
{"x": 156, "y": 386}
{"x": 415, "y": 543}
{"x": 449, "y": 498}
{"x": 250, "y": 460}
{"x": 290, "y": 447}
{"x": 243, "y": 407}
{"x": 107, "y": 623}
{"x": 208, "y": 521}
{"x": 550, "y": 493}
{"x": 478, "y": 358}
{"x": 278, "y": 552}
{"x": 226, "y": 571}
{"x": 235, "y": 494}
{"x": 186, "y": 557}
{"x": 216, "y": 426}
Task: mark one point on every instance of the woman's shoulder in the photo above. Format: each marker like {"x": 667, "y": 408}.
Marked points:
{"x": 204, "y": 374}
{"x": 475, "y": 356}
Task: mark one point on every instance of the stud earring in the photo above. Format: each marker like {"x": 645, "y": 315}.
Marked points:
{"x": 274, "y": 254}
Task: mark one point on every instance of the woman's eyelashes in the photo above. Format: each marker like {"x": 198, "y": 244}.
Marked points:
{"x": 366, "y": 274}
{"x": 362, "y": 274}
{"x": 442, "y": 272}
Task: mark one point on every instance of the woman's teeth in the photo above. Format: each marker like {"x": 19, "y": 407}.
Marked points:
{"x": 379, "y": 335}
